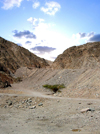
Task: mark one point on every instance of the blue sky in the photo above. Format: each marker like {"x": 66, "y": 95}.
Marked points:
{"x": 48, "y": 27}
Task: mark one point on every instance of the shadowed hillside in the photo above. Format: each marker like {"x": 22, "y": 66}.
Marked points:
{"x": 13, "y": 57}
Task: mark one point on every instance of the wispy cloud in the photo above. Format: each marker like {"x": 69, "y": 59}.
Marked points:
{"x": 36, "y": 22}
{"x": 36, "y": 4}
{"x": 28, "y": 42}
{"x": 84, "y": 35}
{"x": 51, "y": 8}
{"x": 40, "y": 27}
{"x": 26, "y": 34}
{"x": 9, "y": 4}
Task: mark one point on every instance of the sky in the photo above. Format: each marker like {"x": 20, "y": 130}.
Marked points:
{"x": 47, "y": 27}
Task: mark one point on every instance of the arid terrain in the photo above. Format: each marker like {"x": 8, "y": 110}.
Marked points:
{"x": 26, "y": 107}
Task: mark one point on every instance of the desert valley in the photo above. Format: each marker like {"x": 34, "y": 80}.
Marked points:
{"x": 27, "y": 107}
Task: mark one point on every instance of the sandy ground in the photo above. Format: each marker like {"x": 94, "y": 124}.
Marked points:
{"x": 48, "y": 115}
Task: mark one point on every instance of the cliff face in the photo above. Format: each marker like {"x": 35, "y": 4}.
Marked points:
{"x": 13, "y": 56}
{"x": 84, "y": 56}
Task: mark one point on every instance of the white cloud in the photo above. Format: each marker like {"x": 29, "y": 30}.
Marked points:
{"x": 81, "y": 38}
{"x": 36, "y": 4}
{"x": 8, "y": 4}
{"x": 46, "y": 36}
{"x": 32, "y": 20}
{"x": 51, "y": 8}
{"x": 38, "y": 24}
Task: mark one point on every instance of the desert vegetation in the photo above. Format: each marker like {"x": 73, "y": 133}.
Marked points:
{"x": 54, "y": 88}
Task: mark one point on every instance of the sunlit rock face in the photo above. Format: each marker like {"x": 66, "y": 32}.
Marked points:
{"x": 84, "y": 56}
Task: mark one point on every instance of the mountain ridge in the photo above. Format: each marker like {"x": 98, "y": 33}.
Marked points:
{"x": 76, "y": 57}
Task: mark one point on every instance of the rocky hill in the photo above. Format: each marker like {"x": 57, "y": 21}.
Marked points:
{"x": 13, "y": 57}
{"x": 76, "y": 57}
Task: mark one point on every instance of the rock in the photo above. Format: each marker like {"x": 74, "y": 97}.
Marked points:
{"x": 22, "y": 102}
{"x": 9, "y": 102}
{"x": 25, "y": 101}
{"x": 28, "y": 104}
{"x": 54, "y": 94}
{"x": 33, "y": 107}
{"x": 41, "y": 104}
{"x": 86, "y": 110}
{"x": 5, "y": 106}
{"x": 92, "y": 110}
{"x": 5, "y": 80}
{"x": 89, "y": 103}
{"x": 29, "y": 101}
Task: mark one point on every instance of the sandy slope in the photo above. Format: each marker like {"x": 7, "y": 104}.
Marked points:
{"x": 83, "y": 83}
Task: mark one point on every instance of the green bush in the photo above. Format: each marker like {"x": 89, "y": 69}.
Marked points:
{"x": 54, "y": 88}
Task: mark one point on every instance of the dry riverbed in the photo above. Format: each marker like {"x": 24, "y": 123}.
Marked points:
{"x": 40, "y": 115}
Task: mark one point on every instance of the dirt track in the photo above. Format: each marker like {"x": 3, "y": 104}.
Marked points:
{"x": 56, "y": 115}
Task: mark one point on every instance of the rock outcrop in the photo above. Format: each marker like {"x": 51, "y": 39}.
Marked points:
{"x": 76, "y": 57}
{"x": 5, "y": 77}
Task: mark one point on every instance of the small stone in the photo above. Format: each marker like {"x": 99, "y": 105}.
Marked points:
{"x": 41, "y": 104}
{"x": 89, "y": 103}
{"x": 29, "y": 101}
{"x": 28, "y": 104}
{"x": 22, "y": 102}
{"x": 5, "y": 106}
{"x": 54, "y": 94}
{"x": 85, "y": 110}
{"x": 33, "y": 107}
{"x": 9, "y": 102}
{"x": 92, "y": 110}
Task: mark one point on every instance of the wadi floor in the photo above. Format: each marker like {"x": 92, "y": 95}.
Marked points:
{"x": 28, "y": 114}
